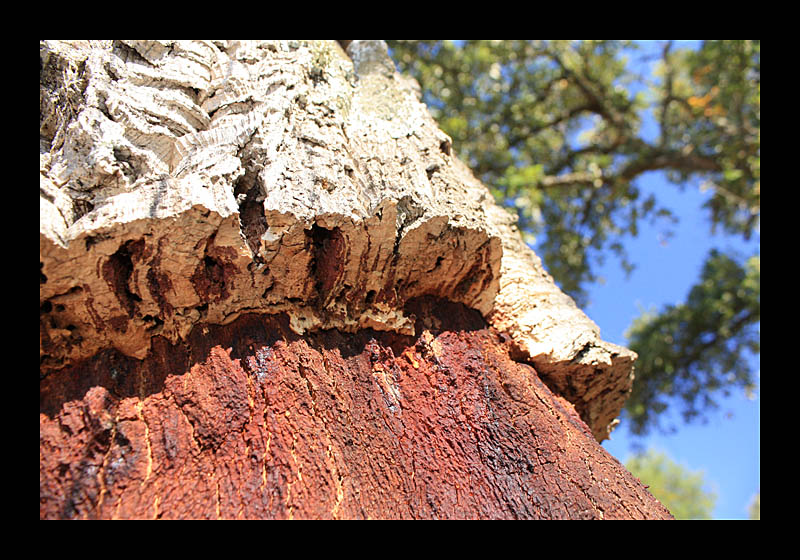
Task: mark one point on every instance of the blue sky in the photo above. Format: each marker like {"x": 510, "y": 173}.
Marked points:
{"x": 727, "y": 447}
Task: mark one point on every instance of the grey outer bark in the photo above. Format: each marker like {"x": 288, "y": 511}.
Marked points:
{"x": 189, "y": 181}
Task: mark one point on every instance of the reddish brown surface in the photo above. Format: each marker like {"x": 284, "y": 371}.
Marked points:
{"x": 251, "y": 421}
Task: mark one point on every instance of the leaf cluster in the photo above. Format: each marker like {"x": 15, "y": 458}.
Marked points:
{"x": 678, "y": 488}
{"x": 710, "y": 108}
{"x": 693, "y": 352}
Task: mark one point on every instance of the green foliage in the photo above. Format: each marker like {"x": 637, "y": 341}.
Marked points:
{"x": 694, "y": 351}
{"x": 679, "y": 489}
{"x": 554, "y": 129}
{"x": 712, "y": 97}
{"x": 755, "y": 507}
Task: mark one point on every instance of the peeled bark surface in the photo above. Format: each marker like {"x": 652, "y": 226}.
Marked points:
{"x": 251, "y": 420}
{"x": 268, "y": 289}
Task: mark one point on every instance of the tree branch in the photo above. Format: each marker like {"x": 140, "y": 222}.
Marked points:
{"x": 697, "y": 353}
{"x": 671, "y": 159}
{"x": 568, "y": 179}
{"x": 668, "y": 98}
{"x": 594, "y": 99}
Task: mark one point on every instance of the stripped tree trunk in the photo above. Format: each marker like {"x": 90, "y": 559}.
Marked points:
{"x": 269, "y": 289}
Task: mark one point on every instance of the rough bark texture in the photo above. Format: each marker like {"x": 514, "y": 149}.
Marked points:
{"x": 251, "y": 420}
{"x": 268, "y": 289}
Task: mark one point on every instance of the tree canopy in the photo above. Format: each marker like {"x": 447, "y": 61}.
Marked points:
{"x": 681, "y": 490}
{"x": 554, "y": 128}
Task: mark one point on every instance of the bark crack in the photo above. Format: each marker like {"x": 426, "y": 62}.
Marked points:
{"x": 216, "y": 484}
{"x": 101, "y": 475}
{"x": 338, "y": 477}
{"x": 149, "y": 471}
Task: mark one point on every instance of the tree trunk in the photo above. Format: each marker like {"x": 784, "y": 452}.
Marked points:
{"x": 269, "y": 289}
